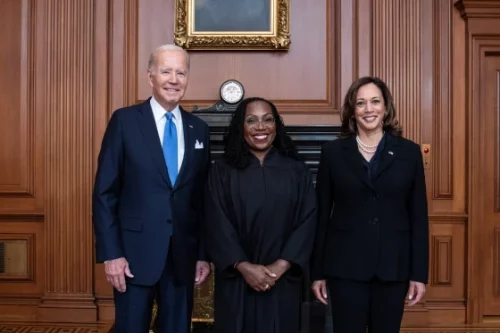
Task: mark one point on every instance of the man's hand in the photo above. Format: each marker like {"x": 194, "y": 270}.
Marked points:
{"x": 202, "y": 272}
{"x": 415, "y": 292}
{"x": 319, "y": 288}
{"x": 279, "y": 267}
{"x": 259, "y": 277}
{"x": 116, "y": 270}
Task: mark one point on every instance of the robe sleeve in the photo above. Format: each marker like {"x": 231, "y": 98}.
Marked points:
{"x": 299, "y": 245}
{"x": 222, "y": 239}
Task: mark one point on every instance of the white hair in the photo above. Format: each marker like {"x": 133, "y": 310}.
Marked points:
{"x": 166, "y": 47}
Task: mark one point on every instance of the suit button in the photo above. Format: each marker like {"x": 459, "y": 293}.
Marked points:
{"x": 169, "y": 221}
{"x": 375, "y": 221}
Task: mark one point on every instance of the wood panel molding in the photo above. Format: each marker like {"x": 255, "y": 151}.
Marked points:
{"x": 448, "y": 218}
{"x": 22, "y": 156}
{"x": 364, "y": 37}
{"x": 483, "y": 36}
{"x": 29, "y": 239}
{"x": 20, "y": 295}
{"x": 103, "y": 96}
{"x": 22, "y": 217}
{"x": 496, "y": 269}
{"x": 480, "y": 9}
{"x": 447, "y": 254}
{"x": 69, "y": 111}
{"x": 497, "y": 143}
{"x": 443, "y": 100}
{"x": 19, "y": 181}
{"x": 403, "y": 59}
{"x": 343, "y": 29}
{"x": 122, "y": 50}
{"x": 130, "y": 51}
{"x": 22, "y": 168}
{"x": 442, "y": 252}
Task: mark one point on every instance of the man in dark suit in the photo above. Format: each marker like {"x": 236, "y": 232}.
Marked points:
{"x": 147, "y": 202}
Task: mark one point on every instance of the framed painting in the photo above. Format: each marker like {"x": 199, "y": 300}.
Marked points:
{"x": 232, "y": 24}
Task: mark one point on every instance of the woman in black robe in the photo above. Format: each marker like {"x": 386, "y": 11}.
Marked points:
{"x": 261, "y": 219}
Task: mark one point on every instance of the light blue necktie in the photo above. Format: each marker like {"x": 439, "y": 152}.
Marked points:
{"x": 170, "y": 147}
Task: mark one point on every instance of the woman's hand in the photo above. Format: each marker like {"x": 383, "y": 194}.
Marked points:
{"x": 259, "y": 277}
{"x": 279, "y": 267}
{"x": 415, "y": 292}
{"x": 319, "y": 288}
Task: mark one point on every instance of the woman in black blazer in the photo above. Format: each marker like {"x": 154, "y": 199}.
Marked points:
{"x": 372, "y": 240}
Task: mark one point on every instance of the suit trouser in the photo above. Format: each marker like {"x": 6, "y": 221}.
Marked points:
{"x": 375, "y": 304}
{"x": 133, "y": 308}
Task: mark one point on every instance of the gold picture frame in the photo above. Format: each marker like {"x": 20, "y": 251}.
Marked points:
{"x": 189, "y": 13}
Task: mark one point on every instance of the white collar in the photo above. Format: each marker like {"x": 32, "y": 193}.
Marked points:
{"x": 159, "y": 111}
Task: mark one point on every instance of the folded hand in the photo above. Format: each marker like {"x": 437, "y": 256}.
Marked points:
{"x": 259, "y": 277}
{"x": 279, "y": 267}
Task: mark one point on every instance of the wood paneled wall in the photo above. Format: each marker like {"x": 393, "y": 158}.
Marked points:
{"x": 66, "y": 65}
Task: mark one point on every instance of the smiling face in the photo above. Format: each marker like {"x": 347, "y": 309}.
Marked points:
{"x": 370, "y": 109}
{"x": 260, "y": 127}
{"x": 169, "y": 78}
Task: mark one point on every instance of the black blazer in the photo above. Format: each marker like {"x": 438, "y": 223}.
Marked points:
{"x": 377, "y": 228}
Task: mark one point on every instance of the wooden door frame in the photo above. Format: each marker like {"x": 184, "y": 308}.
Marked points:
{"x": 483, "y": 37}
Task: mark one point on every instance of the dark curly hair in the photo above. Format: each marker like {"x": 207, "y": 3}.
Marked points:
{"x": 349, "y": 126}
{"x": 236, "y": 151}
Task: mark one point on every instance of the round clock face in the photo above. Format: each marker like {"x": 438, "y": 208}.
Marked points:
{"x": 232, "y": 91}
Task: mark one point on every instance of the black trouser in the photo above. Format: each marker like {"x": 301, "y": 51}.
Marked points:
{"x": 375, "y": 304}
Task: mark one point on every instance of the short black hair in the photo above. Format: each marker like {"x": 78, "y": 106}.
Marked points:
{"x": 236, "y": 151}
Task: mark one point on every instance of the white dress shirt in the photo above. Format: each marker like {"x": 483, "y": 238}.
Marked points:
{"x": 160, "y": 116}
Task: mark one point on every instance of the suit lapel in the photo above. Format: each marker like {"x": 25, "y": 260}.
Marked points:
{"x": 355, "y": 160}
{"x": 189, "y": 141}
{"x": 150, "y": 133}
{"x": 388, "y": 154}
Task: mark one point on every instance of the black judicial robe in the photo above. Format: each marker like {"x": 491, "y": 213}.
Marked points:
{"x": 259, "y": 214}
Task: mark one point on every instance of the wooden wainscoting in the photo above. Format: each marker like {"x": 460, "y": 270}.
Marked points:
{"x": 68, "y": 64}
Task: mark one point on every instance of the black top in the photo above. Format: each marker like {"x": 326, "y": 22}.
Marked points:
{"x": 371, "y": 224}
{"x": 371, "y": 166}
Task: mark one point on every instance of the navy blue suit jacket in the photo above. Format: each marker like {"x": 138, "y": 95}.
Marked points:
{"x": 136, "y": 210}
